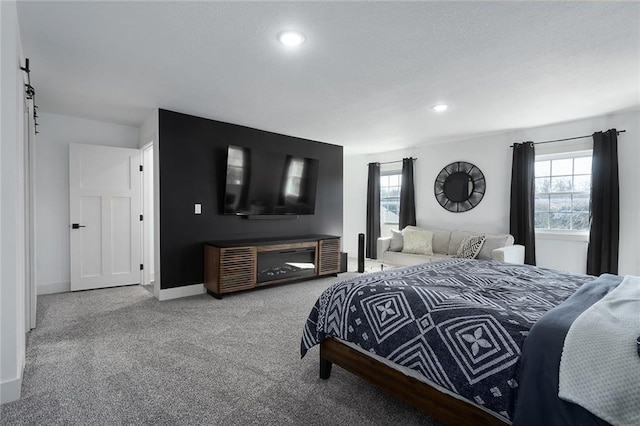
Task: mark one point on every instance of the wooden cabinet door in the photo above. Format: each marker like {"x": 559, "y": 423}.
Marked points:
{"x": 329, "y": 256}
{"x": 229, "y": 269}
{"x": 237, "y": 268}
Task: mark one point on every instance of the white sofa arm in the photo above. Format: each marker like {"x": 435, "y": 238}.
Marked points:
{"x": 382, "y": 245}
{"x": 509, "y": 254}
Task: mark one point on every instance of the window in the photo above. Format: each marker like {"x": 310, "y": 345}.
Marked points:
{"x": 390, "y": 197}
{"x": 563, "y": 185}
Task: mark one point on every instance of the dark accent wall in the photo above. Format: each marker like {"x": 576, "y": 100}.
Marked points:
{"x": 192, "y": 168}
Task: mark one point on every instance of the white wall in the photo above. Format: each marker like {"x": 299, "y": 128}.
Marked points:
{"x": 148, "y": 130}
{"x": 12, "y": 213}
{"x": 493, "y": 156}
{"x": 52, "y": 188}
{"x": 491, "y": 215}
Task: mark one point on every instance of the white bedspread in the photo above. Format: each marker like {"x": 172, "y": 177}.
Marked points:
{"x": 600, "y": 366}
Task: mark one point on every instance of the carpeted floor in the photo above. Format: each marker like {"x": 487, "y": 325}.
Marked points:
{"x": 118, "y": 356}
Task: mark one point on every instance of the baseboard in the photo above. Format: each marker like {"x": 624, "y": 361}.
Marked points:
{"x": 10, "y": 390}
{"x": 52, "y": 288}
{"x": 185, "y": 291}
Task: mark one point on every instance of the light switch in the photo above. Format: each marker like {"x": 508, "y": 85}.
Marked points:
{"x": 198, "y": 209}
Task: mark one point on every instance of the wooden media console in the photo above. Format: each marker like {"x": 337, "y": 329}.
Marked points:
{"x": 235, "y": 265}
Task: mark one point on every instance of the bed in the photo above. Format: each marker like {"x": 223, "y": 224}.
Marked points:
{"x": 448, "y": 337}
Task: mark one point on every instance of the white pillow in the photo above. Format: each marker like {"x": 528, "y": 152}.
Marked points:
{"x": 417, "y": 241}
{"x": 470, "y": 246}
{"x": 396, "y": 240}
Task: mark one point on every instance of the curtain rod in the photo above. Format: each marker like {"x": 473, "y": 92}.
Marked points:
{"x": 397, "y": 161}
{"x": 569, "y": 139}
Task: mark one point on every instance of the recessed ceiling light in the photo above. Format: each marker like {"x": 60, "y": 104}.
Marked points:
{"x": 291, "y": 38}
{"x": 440, "y": 107}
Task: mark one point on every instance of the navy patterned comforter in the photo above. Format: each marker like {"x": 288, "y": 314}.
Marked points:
{"x": 460, "y": 323}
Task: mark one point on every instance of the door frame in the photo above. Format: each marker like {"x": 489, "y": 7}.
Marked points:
{"x": 147, "y": 211}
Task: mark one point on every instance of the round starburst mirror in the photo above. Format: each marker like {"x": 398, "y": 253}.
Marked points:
{"x": 459, "y": 186}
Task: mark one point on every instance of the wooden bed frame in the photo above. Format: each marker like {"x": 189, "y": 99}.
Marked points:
{"x": 443, "y": 407}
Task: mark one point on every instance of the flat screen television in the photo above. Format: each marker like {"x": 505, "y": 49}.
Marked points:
{"x": 269, "y": 183}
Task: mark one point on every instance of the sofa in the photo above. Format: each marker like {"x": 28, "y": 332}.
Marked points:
{"x": 446, "y": 244}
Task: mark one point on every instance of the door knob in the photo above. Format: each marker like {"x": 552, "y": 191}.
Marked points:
{"x": 77, "y": 225}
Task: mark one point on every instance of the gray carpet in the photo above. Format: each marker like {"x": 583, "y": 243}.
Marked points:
{"x": 118, "y": 356}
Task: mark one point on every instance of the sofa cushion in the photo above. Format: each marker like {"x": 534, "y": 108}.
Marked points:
{"x": 470, "y": 247}
{"x": 396, "y": 240}
{"x": 441, "y": 239}
{"x": 417, "y": 241}
{"x": 492, "y": 242}
{"x": 397, "y": 258}
{"x": 456, "y": 240}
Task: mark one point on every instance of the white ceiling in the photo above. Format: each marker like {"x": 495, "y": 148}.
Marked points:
{"x": 365, "y": 78}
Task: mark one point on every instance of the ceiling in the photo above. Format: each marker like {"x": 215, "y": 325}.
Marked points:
{"x": 366, "y": 77}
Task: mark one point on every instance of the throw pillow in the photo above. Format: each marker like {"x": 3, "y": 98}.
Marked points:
{"x": 470, "y": 247}
{"x": 417, "y": 241}
{"x": 396, "y": 240}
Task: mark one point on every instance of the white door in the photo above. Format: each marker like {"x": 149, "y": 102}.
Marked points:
{"x": 104, "y": 190}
